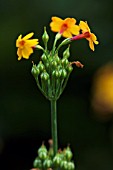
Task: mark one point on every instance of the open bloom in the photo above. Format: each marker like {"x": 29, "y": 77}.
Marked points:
{"x": 91, "y": 37}
{"x": 25, "y": 46}
{"x": 66, "y": 27}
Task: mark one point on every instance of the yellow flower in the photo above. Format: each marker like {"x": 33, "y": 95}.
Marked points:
{"x": 92, "y": 38}
{"x": 65, "y": 27}
{"x": 25, "y": 46}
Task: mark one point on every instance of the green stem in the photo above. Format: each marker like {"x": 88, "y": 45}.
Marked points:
{"x": 54, "y": 126}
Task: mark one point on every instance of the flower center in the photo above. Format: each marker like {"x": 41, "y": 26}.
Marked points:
{"x": 63, "y": 28}
{"x": 22, "y": 42}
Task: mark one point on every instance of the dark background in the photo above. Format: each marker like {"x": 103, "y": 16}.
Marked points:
{"x": 25, "y": 113}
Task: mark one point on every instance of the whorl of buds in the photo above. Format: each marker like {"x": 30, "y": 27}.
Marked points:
{"x": 62, "y": 159}
{"x": 52, "y": 72}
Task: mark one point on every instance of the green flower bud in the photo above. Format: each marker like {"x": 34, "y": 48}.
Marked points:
{"x": 37, "y": 163}
{"x": 57, "y": 160}
{"x": 57, "y": 59}
{"x": 47, "y": 163}
{"x": 56, "y": 74}
{"x": 64, "y": 165}
{"x": 44, "y": 76}
{"x": 65, "y": 62}
{"x": 68, "y": 154}
{"x": 66, "y": 53}
{"x": 42, "y": 149}
{"x": 54, "y": 64}
{"x": 42, "y": 155}
{"x": 71, "y": 166}
{"x": 35, "y": 71}
{"x": 45, "y": 36}
{"x": 63, "y": 73}
{"x": 69, "y": 68}
{"x": 43, "y": 57}
{"x": 40, "y": 66}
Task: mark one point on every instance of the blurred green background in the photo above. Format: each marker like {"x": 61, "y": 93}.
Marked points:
{"x": 25, "y": 113}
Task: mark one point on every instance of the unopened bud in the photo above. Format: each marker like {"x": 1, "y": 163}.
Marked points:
{"x": 63, "y": 73}
{"x": 64, "y": 165}
{"x": 54, "y": 64}
{"x": 56, "y": 74}
{"x": 57, "y": 59}
{"x": 69, "y": 68}
{"x": 57, "y": 160}
{"x": 43, "y": 57}
{"x": 44, "y": 76}
{"x": 65, "y": 62}
{"x": 66, "y": 53}
{"x": 37, "y": 163}
{"x": 45, "y": 36}
{"x": 40, "y": 66}
{"x": 71, "y": 166}
{"x": 35, "y": 71}
{"x": 47, "y": 163}
{"x": 68, "y": 154}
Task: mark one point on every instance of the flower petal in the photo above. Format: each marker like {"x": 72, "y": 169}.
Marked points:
{"x": 84, "y": 26}
{"x": 91, "y": 45}
{"x": 28, "y": 36}
{"x": 70, "y": 21}
{"x": 19, "y": 53}
{"x": 75, "y": 29}
{"x": 26, "y": 52}
{"x": 56, "y": 24}
{"x": 32, "y": 42}
{"x": 67, "y": 34}
{"x": 18, "y": 40}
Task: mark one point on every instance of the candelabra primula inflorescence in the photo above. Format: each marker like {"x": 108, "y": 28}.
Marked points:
{"x": 51, "y": 75}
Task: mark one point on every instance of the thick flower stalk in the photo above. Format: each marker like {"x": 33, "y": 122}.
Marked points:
{"x": 51, "y": 74}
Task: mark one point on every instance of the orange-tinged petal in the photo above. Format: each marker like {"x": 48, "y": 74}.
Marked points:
{"x": 84, "y": 26}
{"x": 94, "y": 38}
{"x": 18, "y": 40}
{"x": 32, "y": 42}
{"x": 70, "y": 21}
{"x": 19, "y": 53}
{"x": 67, "y": 34}
{"x": 26, "y": 52}
{"x": 57, "y": 20}
{"x": 75, "y": 29}
{"x": 28, "y": 36}
{"x": 55, "y": 27}
{"x": 56, "y": 24}
{"x": 91, "y": 45}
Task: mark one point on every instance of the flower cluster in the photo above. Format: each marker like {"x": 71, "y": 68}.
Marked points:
{"x": 52, "y": 72}
{"x": 66, "y": 28}
{"x": 46, "y": 160}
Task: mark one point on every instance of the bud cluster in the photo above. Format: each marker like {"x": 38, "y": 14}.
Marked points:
{"x": 52, "y": 72}
{"x": 46, "y": 160}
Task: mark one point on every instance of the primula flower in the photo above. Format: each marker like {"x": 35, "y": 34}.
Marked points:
{"x": 25, "y": 46}
{"x": 91, "y": 37}
{"x": 65, "y": 27}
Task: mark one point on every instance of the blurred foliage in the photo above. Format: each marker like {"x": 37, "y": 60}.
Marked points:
{"x": 25, "y": 113}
